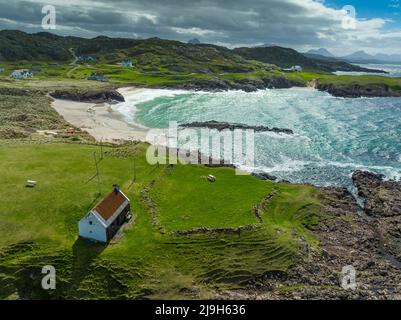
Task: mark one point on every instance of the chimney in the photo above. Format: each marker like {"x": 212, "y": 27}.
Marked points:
{"x": 116, "y": 188}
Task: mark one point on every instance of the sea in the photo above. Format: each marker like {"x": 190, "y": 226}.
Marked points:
{"x": 332, "y": 137}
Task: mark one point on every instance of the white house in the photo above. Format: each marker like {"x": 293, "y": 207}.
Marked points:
{"x": 87, "y": 58}
{"x": 103, "y": 221}
{"x": 294, "y": 69}
{"x": 21, "y": 74}
{"x": 126, "y": 63}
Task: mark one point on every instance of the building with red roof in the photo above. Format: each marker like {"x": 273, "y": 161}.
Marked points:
{"x": 106, "y": 218}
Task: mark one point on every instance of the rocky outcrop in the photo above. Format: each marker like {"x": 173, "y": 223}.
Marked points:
{"x": 357, "y": 91}
{"x": 216, "y": 84}
{"x": 220, "y": 126}
{"x": 264, "y": 176}
{"x": 247, "y": 85}
{"x": 346, "y": 237}
{"x": 368, "y": 239}
{"x": 99, "y": 96}
{"x": 382, "y": 198}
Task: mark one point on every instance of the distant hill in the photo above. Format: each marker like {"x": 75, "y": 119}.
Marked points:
{"x": 321, "y": 52}
{"x": 17, "y": 45}
{"x": 359, "y": 55}
{"x": 194, "y": 41}
{"x": 154, "y": 54}
{"x": 286, "y": 57}
{"x": 363, "y": 57}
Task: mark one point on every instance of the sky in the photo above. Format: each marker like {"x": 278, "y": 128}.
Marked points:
{"x": 299, "y": 24}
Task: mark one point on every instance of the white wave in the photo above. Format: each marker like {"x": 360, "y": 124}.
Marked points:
{"x": 287, "y": 165}
{"x": 132, "y": 99}
{"x": 390, "y": 173}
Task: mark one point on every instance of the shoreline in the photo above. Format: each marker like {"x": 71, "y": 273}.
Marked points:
{"x": 100, "y": 120}
{"x": 107, "y": 124}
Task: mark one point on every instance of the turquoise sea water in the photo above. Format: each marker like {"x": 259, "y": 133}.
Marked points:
{"x": 333, "y": 136}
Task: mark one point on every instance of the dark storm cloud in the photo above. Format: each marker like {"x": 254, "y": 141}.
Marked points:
{"x": 297, "y": 23}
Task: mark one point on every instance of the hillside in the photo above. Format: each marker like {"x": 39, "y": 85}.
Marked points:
{"x": 286, "y": 57}
{"x": 151, "y": 259}
{"x": 250, "y": 238}
{"x": 150, "y": 55}
{"x": 321, "y": 52}
{"x": 158, "y": 55}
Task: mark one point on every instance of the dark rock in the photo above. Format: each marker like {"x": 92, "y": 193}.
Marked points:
{"x": 277, "y": 82}
{"x": 247, "y": 85}
{"x": 264, "y": 176}
{"x": 232, "y": 126}
{"x": 90, "y": 96}
{"x": 382, "y": 198}
{"x": 357, "y": 91}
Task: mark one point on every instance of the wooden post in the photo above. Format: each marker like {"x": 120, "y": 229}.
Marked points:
{"x": 97, "y": 173}
{"x": 134, "y": 170}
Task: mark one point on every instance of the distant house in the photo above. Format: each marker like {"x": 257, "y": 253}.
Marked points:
{"x": 103, "y": 221}
{"x": 87, "y": 58}
{"x": 127, "y": 63}
{"x": 293, "y": 69}
{"x": 98, "y": 77}
{"x": 21, "y": 74}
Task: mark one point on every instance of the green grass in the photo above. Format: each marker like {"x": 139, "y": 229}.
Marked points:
{"x": 74, "y": 77}
{"x": 24, "y": 112}
{"x": 226, "y": 203}
{"x": 39, "y": 225}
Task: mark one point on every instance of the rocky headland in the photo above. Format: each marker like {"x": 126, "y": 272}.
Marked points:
{"x": 98, "y": 96}
{"x": 355, "y": 90}
{"x": 368, "y": 239}
{"x": 280, "y": 82}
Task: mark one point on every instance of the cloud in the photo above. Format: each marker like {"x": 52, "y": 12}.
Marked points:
{"x": 301, "y": 24}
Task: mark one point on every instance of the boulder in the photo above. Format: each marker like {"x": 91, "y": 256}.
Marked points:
{"x": 382, "y": 198}
{"x": 98, "y": 96}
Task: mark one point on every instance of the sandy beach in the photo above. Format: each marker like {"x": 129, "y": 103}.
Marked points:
{"x": 100, "y": 120}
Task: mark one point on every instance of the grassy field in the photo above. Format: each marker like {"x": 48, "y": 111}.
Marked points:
{"x": 217, "y": 209}
{"x": 39, "y": 225}
{"x": 74, "y": 77}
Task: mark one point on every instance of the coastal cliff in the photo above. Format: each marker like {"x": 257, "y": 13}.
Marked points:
{"x": 365, "y": 238}
{"x": 355, "y": 90}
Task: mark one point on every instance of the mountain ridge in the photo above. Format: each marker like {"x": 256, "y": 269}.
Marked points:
{"x": 153, "y": 53}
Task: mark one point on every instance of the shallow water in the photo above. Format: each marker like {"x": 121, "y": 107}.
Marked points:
{"x": 333, "y": 136}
